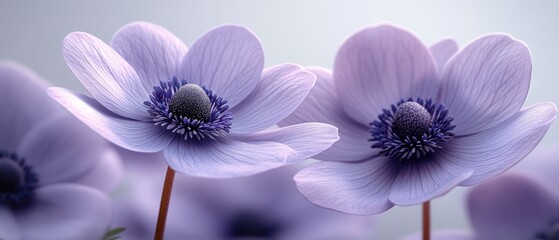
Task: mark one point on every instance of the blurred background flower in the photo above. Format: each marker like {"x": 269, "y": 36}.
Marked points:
{"x": 53, "y": 169}
{"x": 263, "y": 206}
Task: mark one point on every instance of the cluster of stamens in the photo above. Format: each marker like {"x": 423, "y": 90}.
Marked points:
{"x": 411, "y": 129}
{"x": 17, "y": 181}
{"x": 183, "y": 109}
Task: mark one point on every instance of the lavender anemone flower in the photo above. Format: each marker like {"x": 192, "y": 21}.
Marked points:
{"x": 263, "y": 206}
{"x": 415, "y": 122}
{"x": 209, "y": 109}
{"x": 51, "y": 165}
{"x": 513, "y": 206}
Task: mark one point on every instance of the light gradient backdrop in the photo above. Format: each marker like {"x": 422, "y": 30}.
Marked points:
{"x": 303, "y": 32}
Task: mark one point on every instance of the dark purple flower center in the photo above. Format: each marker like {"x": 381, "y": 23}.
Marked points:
{"x": 189, "y": 110}
{"x": 411, "y": 129}
{"x": 552, "y": 233}
{"x": 251, "y": 226}
{"x": 17, "y": 181}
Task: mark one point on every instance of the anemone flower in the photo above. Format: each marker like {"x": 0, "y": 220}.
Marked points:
{"x": 415, "y": 122}
{"x": 514, "y": 206}
{"x": 208, "y": 108}
{"x": 263, "y": 206}
{"x": 52, "y": 167}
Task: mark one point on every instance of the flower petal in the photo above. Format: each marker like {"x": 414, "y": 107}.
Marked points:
{"x": 281, "y": 90}
{"x": 24, "y": 103}
{"x": 228, "y": 60}
{"x": 61, "y": 149}
{"x": 106, "y": 174}
{"x": 380, "y": 65}
{"x": 493, "y": 151}
{"x": 512, "y": 206}
{"x": 65, "y": 211}
{"x": 224, "y": 158}
{"x": 446, "y": 234}
{"x": 106, "y": 75}
{"x": 9, "y": 228}
{"x": 442, "y": 51}
{"x": 422, "y": 181}
{"x": 154, "y": 52}
{"x": 486, "y": 82}
{"x": 306, "y": 139}
{"x": 323, "y": 105}
{"x": 133, "y": 135}
{"x": 355, "y": 188}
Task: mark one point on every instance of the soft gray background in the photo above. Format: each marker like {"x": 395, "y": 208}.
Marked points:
{"x": 304, "y": 32}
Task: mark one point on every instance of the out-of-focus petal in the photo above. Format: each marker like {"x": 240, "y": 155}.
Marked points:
{"x": 24, "y": 103}
{"x": 442, "y": 51}
{"x": 134, "y": 135}
{"x": 513, "y": 207}
{"x": 154, "y": 52}
{"x": 486, "y": 82}
{"x": 306, "y": 139}
{"x": 422, "y": 181}
{"x": 9, "y": 228}
{"x": 228, "y": 60}
{"x": 65, "y": 211}
{"x": 278, "y": 94}
{"x": 323, "y": 105}
{"x": 106, "y": 173}
{"x": 445, "y": 234}
{"x": 355, "y": 188}
{"x": 378, "y": 66}
{"x": 61, "y": 149}
{"x": 223, "y": 158}
{"x": 106, "y": 75}
{"x": 495, "y": 150}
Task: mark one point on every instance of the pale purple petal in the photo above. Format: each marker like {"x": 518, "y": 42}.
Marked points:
{"x": 224, "y": 158}
{"x": 512, "y": 207}
{"x": 154, "y": 52}
{"x": 380, "y": 65}
{"x": 106, "y": 75}
{"x": 9, "y": 228}
{"x": 227, "y": 60}
{"x": 61, "y": 149}
{"x": 355, "y": 188}
{"x": 133, "y": 135}
{"x": 106, "y": 173}
{"x": 493, "y": 151}
{"x": 422, "y": 181}
{"x": 445, "y": 234}
{"x": 442, "y": 51}
{"x": 65, "y": 211}
{"x": 24, "y": 103}
{"x": 486, "y": 82}
{"x": 278, "y": 94}
{"x": 306, "y": 139}
{"x": 322, "y": 105}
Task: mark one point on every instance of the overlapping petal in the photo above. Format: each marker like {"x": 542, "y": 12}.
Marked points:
{"x": 281, "y": 90}
{"x": 154, "y": 52}
{"x": 228, "y": 60}
{"x": 106, "y": 75}
{"x": 223, "y": 158}
{"x": 355, "y": 188}
{"x": 134, "y": 135}
{"x": 495, "y": 150}
{"x": 380, "y": 65}
{"x": 65, "y": 211}
{"x": 106, "y": 173}
{"x": 323, "y": 105}
{"x": 442, "y": 51}
{"x": 486, "y": 82}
